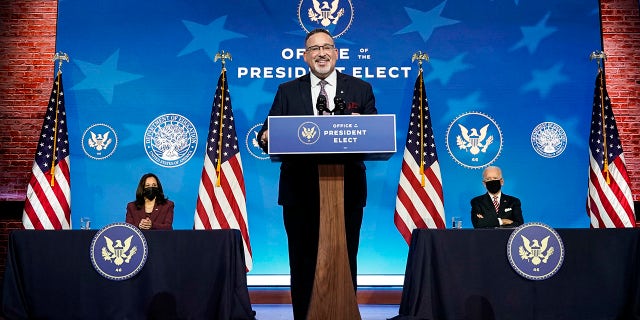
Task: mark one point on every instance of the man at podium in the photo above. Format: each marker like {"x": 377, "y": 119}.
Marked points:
{"x": 323, "y": 91}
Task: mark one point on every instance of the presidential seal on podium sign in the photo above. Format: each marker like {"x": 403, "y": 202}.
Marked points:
{"x": 535, "y": 251}
{"x": 119, "y": 251}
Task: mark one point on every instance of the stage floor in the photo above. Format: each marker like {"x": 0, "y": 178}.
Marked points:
{"x": 283, "y": 311}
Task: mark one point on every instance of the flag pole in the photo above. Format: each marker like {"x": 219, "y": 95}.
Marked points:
{"x": 222, "y": 56}
{"x": 59, "y": 56}
{"x": 600, "y": 56}
{"x": 420, "y": 56}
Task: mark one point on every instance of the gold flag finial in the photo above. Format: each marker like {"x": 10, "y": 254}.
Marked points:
{"x": 60, "y": 56}
{"x": 222, "y": 56}
{"x": 420, "y": 56}
{"x": 598, "y": 55}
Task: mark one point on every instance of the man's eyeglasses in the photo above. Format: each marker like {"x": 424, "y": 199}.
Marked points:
{"x": 326, "y": 47}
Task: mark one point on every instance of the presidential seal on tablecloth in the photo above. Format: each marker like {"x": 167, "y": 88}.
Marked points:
{"x": 535, "y": 251}
{"x": 119, "y": 251}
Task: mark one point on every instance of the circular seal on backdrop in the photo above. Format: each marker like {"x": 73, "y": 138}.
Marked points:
{"x": 474, "y": 140}
{"x": 99, "y": 141}
{"x": 549, "y": 139}
{"x": 170, "y": 140}
{"x": 308, "y": 133}
{"x": 535, "y": 251}
{"x": 251, "y": 142}
{"x": 335, "y": 16}
{"x": 119, "y": 251}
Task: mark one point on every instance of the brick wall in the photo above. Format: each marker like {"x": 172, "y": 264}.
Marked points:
{"x": 621, "y": 34}
{"x": 27, "y": 45}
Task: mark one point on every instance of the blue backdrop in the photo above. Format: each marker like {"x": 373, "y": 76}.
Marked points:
{"x": 519, "y": 66}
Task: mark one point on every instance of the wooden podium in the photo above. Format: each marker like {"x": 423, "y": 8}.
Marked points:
{"x": 333, "y": 294}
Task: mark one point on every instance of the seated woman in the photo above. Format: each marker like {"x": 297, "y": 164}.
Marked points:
{"x": 151, "y": 210}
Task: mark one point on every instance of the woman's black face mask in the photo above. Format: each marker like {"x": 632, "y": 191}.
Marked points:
{"x": 150, "y": 192}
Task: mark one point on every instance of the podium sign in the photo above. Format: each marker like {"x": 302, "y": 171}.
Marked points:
{"x": 374, "y": 135}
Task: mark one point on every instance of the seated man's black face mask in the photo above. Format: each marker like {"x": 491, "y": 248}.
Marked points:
{"x": 493, "y": 186}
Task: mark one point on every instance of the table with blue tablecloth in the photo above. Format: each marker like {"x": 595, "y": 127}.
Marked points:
{"x": 466, "y": 274}
{"x": 188, "y": 274}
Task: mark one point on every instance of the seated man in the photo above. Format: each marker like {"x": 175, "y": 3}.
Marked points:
{"x": 495, "y": 209}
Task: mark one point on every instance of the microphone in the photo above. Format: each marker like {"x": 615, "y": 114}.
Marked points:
{"x": 321, "y": 104}
{"x": 340, "y": 105}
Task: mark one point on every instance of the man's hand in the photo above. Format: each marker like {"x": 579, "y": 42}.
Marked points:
{"x": 265, "y": 137}
{"x": 507, "y": 221}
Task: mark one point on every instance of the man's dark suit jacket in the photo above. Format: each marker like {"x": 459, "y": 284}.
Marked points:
{"x": 510, "y": 208}
{"x": 299, "y": 173}
{"x": 161, "y": 217}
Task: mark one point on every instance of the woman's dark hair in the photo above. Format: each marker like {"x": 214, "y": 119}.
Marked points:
{"x": 160, "y": 198}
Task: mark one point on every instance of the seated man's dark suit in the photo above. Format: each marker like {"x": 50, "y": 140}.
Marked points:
{"x": 510, "y": 208}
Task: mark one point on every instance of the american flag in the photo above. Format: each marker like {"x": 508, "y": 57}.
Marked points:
{"x": 48, "y": 204}
{"x": 610, "y": 202}
{"x": 419, "y": 203}
{"x": 221, "y": 196}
